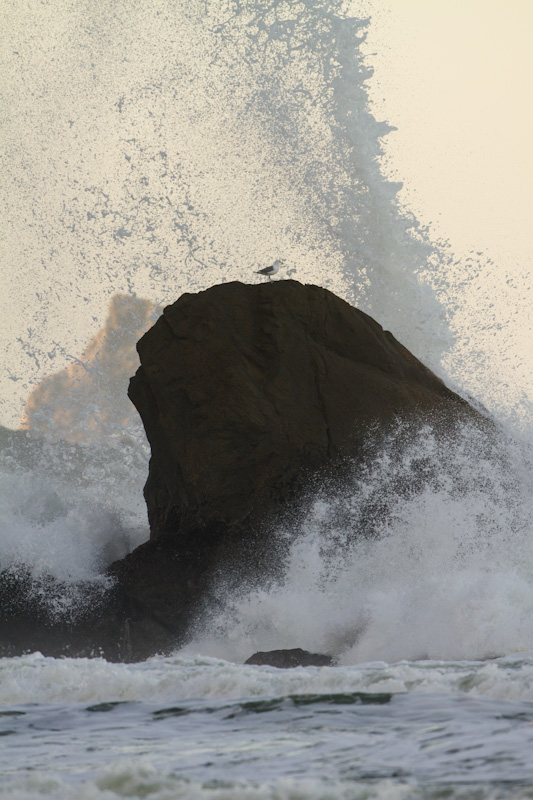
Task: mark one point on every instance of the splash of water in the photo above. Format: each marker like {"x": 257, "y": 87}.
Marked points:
{"x": 163, "y": 150}
{"x": 444, "y": 571}
{"x": 153, "y": 151}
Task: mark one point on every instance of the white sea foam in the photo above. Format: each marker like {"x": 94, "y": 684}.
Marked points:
{"x": 129, "y": 778}
{"x": 37, "y": 679}
{"x": 139, "y": 779}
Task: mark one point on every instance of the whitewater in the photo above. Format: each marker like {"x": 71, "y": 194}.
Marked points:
{"x": 153, "y": 149}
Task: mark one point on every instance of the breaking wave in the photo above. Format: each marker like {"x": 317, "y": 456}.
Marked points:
{"x": 156, "y": 153}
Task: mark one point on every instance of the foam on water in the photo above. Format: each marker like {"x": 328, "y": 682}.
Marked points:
{"x": 418, "y": 728}
{"x": 37, "y": 679}
{"x": 129, "y": 778}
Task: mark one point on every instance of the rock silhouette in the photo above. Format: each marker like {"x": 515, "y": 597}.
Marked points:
{"x": 246, "y": 390}
{"x": 248, "y": 394}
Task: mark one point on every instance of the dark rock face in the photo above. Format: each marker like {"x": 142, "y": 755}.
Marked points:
{"x": 246, "y": 390}
{"x": 286, "y": 659}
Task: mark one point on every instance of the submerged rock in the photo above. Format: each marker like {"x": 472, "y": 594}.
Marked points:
{"x": 286, "y": 659}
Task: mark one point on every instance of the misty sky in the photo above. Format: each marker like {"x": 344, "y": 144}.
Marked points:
{"x": 454, "y": 77}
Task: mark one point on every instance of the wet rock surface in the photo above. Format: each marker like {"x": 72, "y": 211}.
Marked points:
{"x": 248, "y": 394}
{"x": 287, "y": 659}
{"x": 244, "y": 391}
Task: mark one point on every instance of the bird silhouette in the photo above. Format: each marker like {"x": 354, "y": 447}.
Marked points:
{"x": 272, "y": 269}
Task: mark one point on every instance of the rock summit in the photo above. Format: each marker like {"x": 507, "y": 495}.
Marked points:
{"x": 247, "y": 390}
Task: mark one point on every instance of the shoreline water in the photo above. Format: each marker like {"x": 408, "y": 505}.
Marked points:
{"x": 197, "y": 727}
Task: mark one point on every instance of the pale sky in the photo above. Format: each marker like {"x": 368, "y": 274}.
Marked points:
{"x": 455, "y": 78}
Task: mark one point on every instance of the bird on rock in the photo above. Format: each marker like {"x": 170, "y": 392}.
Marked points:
{"x": 272, "y": 269}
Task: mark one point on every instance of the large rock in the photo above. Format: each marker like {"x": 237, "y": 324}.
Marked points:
{"x": 247, "y": 390}
{"x": 246, "y": 393}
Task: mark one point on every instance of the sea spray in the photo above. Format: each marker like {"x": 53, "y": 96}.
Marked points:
{"x": 191, "y": 145}
{"x": 67, "y": 511}
{"x": 425, "y": 552}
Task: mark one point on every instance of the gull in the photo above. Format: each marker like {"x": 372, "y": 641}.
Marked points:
{"x": 272, "y": 269}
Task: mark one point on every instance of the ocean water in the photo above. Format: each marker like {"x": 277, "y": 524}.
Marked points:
{"x": 160, "y": 147}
